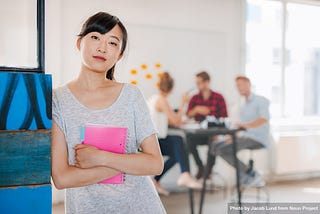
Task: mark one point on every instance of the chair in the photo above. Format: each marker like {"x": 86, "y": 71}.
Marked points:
{"x": 213, "y": 186}
{"x": 259, "y": 187}
{"x": 217, "y": 183}
{"x": 214, "y": 180}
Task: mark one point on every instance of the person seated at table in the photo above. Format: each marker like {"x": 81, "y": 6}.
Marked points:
{"x": 170, "y": 145}
{"x": 254, "y": 118}
{"x": 206, "y": 102}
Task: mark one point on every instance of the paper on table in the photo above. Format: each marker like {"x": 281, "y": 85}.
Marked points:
{"x": 191, "y": 126}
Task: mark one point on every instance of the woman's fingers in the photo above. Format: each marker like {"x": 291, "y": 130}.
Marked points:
{"x": 80, "y": 146}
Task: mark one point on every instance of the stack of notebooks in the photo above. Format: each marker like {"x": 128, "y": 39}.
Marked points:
{"x": 111, "y": 139}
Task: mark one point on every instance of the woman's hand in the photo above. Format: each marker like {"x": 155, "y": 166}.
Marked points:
{"x": 87, "y": 156}
{"x": 185, "y": 98}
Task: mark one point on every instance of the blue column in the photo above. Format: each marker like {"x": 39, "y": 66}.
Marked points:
{"x": 25, "y": 139}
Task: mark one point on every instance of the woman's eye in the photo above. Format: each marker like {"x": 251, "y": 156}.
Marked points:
{"x": 113, "y": 44}
{"x": 94, "y": 37}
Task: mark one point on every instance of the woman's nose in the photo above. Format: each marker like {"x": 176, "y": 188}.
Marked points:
{"x": 101, "y": 49}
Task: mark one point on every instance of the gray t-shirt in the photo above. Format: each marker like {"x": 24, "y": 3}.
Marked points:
{"x": 137, "y": 194}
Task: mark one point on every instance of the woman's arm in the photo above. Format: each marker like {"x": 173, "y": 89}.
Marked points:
{"x": 148, "y": 162}
{"x": 66, "y": 176}
{"x": 173, "y": 118}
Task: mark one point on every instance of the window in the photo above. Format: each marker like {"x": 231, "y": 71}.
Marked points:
{"x": 283, "y": 56}
{"x": 22, "y": 36}
{"x": 263, "y": 39}
{"x": 302, "y": 74}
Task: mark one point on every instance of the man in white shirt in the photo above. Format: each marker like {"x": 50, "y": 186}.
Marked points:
{"x": 254, "y": 118}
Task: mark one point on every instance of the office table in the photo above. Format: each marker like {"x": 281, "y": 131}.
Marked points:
{"x": 208, "y": 133}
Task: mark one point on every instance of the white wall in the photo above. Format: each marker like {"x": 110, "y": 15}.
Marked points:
{"x": 218, "y": 22}
{"x": 187, "y": 36}
{"x": 17, "y": 20}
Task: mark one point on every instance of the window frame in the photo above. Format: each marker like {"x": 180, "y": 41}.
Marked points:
{"x": 40, "y": 44}
{"x": 283, "y": 53}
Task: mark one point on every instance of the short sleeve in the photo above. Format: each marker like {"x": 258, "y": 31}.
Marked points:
{"x": 144, "y": 126}
{"x": 264, "y": 108}
{"x": 57, "y": 111}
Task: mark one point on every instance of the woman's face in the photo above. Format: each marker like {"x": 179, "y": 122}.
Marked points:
{"x": 99, "y": 52}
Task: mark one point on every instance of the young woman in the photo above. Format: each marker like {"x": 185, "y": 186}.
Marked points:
{"x": 95, "y": 97}
{"x": 171, "y": 145}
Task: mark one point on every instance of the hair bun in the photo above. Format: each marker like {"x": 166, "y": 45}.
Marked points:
{"x": 166, "y": 82}
{"x": 165, "y": 76}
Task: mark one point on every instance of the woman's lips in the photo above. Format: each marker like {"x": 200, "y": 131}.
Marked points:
{"x": 100, "y": 58}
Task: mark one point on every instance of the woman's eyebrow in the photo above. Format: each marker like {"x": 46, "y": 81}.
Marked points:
{"x": 115, "y": 37}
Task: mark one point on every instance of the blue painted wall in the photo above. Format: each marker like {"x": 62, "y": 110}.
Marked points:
{"x": 25, "y": 139}
{"x": 25, "y": 101}
{"x": 26, "y": 200}
{"x": 25, "y": 157}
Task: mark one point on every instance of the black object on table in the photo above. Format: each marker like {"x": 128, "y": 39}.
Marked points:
{"x": 209, "y": 132}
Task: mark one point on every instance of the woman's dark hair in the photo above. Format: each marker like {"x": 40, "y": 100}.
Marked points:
{"x": 102, "y": 23}
{"x": 166, "y": 82}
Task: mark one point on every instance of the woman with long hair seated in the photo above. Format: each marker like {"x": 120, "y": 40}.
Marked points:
{"x": 171, "y": 145}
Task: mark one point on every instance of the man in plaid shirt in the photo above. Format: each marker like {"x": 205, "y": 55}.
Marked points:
{"x": 206, "y": 102}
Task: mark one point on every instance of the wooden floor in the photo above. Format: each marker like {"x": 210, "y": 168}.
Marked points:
{"x": 307, "y": 191}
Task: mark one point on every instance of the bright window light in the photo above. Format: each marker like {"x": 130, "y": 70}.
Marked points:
{"x": 283, "y": 56}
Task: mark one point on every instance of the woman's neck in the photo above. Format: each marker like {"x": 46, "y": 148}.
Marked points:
{"x": 91, "y": 80}
{"x": 164, "y": 94}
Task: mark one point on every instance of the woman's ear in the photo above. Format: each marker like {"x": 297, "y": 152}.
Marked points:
{"x": 120, "y": 57}
{"x": 78, "y": 43}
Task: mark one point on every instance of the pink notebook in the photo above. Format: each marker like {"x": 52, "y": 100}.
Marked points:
{"x": 111, "y": 139}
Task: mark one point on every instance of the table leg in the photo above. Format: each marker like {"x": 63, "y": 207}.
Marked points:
{"x": 234, "y": 143}
{"x": 191, "y": 199}
{"x": 206, "y": 173}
